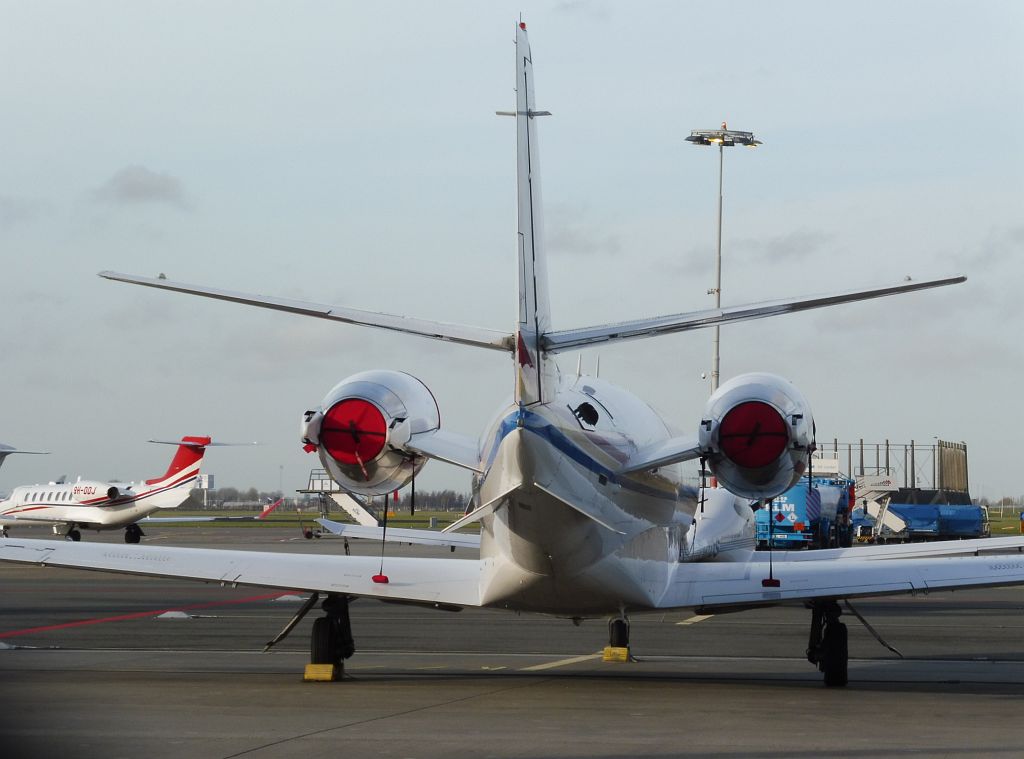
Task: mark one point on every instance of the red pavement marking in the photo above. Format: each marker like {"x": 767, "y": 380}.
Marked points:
{"x": 140, "y": 614}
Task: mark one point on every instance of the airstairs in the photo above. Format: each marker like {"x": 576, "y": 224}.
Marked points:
{"x": 320, "y": 483}
{"x": 873, "y": 492}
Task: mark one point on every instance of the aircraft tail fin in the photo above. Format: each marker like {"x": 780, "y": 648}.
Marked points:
{"x": 186, "y": 462}
{"x": 534, "y": 373}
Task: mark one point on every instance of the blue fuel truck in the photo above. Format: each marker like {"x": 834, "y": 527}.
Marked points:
{"x": 814, "y": 513}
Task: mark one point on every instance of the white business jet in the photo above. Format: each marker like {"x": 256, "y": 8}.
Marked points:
{"x": 69, "y": 507}
{"x": 577, "y": 483}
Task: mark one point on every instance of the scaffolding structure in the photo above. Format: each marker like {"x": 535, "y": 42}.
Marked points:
{"x": 941, "y": 465}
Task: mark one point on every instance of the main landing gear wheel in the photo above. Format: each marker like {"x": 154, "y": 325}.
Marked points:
{"x": 73, "y": 535}
{"x": 827, "y": 646}
{"x": 133, "y": 533}
{"x": 331, "y": 641}
{"x": 618, "y": 633}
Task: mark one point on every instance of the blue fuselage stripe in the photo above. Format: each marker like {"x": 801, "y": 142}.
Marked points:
{"x": 538, "y": 425}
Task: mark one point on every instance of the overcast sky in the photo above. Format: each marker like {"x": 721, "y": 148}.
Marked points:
{"x": 348, "y": 153}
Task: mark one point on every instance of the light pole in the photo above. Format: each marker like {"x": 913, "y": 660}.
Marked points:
{"x": 723, "y": 138}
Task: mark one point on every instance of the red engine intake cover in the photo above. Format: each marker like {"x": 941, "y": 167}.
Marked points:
{"x": 353, "y": 431}
{"x": 753, "y": 434}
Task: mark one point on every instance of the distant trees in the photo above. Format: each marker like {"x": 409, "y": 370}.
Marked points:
{"x": 254, "y": 500}
{"x": 231, "y": 498}
{"x": 434, "y": 500}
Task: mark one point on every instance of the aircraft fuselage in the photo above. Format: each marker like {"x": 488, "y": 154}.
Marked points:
{"x": 570, "y": 531}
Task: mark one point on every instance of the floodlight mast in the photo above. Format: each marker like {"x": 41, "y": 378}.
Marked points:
{"x": 723, "y": 138}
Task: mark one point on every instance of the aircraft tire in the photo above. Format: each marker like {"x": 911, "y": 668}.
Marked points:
{"x": 132, "y": 534}
{"x": 74, "y": 535}
{"x": 324, "y": 648}
{"x": 835, "y": 655}
{"x": 618, "y": 633}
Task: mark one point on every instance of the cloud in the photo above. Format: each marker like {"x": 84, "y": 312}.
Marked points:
{"x": 14, "y": 210}
{"x": 574, "y": 234}
{"x": 592, "y": 8}
{"x": 134, "y": 185}
{"x": 789, "y": 248}
{"x": 792, "y": 247}
{"x": 999, "y": 246}
{"x": 695, "y": 261}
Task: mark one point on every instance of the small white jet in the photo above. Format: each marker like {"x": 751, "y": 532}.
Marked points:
{"x": 577, "y": 483}
{"x": 89, "y": 504}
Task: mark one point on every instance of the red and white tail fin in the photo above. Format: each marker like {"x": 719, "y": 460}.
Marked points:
{"x": 270, "y": 507}
{"x": 187, "y": 459}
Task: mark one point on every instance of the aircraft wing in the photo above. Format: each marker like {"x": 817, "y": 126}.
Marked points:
{"x": 401, "y": 535}
{"x": 247, "y": 518}
{"x": 554, "y": 342}
{"x": 455, "y": 333}
{"x": 929, "y": 550}
{"x": 186, "y": 520}
{"x": 715, "y": 586}
{"x": 452, "y": 582}
{"x": 30, "y": 517}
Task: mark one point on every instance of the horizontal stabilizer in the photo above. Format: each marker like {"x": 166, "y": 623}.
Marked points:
{"x": 7, "y": 450}
{"x": 553, "y": 342}
{"x": 454, "y": 333}
{"x": 401, "y": 535}
{"x": 194, "y": 442}
{"x": 671, "y": 451}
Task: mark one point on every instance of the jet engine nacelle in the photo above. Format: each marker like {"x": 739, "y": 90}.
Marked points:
{"x": 361, "y": 428}
{"x": 757, "y": 433}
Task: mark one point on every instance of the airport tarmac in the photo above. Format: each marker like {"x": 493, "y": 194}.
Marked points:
{"x": 103, "y": 665}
